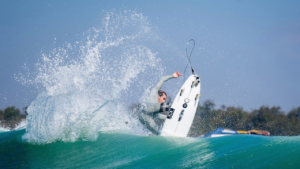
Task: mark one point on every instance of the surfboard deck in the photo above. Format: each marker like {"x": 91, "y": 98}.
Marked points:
{"x": 182, "y": 112}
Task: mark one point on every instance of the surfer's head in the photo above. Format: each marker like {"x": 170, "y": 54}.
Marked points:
{"x": 162, "y": 96}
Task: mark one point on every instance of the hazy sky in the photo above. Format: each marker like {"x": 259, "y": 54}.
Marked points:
{"x": 247, "y": 52}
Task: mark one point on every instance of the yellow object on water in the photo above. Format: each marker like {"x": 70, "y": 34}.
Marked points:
{"x": 242, "y": 132}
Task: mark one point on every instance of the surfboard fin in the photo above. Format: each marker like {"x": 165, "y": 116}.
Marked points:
{"x": 181, "y": 114}
{"x": 193, "y": 84}
{"x": 182, "y": 90}
{"x": 197, "y": 96}
{"x": 197, "y": 82}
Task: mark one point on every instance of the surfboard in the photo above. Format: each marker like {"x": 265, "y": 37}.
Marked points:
{"x": 183, "y": 109}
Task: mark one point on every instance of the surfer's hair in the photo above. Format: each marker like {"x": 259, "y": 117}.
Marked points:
{"x": 161, "y": 93}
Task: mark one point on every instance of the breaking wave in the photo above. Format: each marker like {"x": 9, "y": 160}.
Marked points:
{"x": 85, "y": 86}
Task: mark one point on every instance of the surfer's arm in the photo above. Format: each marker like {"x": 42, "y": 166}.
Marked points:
{"x": 151, "y": 108}
{"x": 156, "y": 108}
{"x": 154, "y": 92}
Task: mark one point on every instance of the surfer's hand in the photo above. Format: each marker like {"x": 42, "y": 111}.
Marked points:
{"x": 176, "y": 74}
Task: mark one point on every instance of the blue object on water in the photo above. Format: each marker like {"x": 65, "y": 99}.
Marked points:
{"x": 221, "y": 132}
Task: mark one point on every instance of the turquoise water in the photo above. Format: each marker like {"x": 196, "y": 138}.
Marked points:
{"x": 121, "y": 150}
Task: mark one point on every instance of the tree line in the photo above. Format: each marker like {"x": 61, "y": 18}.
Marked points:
{"x": 207, "y": 119}
{"x": 272, "y": 119}
{"x": 10, "y": 117}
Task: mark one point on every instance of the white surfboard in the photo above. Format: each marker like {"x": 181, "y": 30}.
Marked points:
{"x": 182, "y": 112}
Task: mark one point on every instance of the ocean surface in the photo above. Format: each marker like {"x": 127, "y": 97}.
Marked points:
{"x": 121, "y": 150}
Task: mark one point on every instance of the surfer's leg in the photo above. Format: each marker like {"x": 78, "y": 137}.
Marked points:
{"x": 152, "y": 126}
{"x": 149, "y": 123}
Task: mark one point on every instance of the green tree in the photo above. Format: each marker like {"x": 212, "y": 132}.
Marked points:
{"x": 294, "y": 113}
{"x": 10, "y": 117}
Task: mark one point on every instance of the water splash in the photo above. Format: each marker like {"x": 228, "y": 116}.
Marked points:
{"x": 84, "y": 86}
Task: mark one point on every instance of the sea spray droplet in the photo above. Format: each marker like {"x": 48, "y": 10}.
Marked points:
{"x": 85, "y": 84}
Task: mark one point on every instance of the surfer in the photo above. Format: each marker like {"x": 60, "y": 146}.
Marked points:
{"x": 155, "y": 106}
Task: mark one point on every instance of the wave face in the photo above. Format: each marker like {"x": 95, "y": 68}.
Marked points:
{"x": 119, "y": 150}
{"x": 84, "y": 86}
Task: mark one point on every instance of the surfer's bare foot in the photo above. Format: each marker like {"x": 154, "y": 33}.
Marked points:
{"x": 176, "y": 74}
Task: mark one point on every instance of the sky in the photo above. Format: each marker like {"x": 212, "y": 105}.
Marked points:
{"x": 247, "y": 52}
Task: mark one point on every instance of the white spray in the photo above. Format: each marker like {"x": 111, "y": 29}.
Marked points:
{"x": 84, "y": 84}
